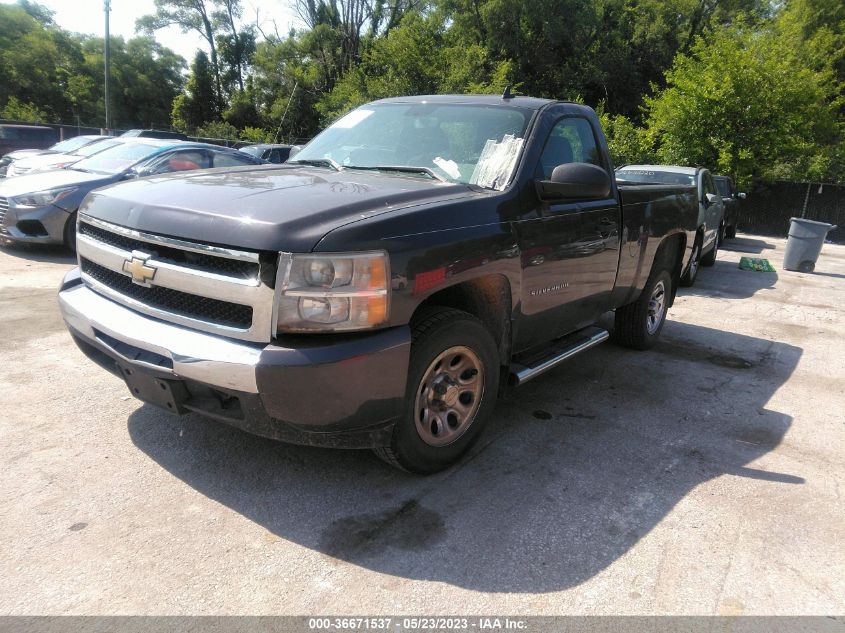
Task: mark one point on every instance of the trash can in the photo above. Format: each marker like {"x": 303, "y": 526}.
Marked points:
{"x": 804, "y": 244}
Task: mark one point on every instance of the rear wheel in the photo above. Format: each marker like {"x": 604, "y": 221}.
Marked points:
{"x": 639, "y": 324}
{"x": 452, "y": 383}
{"x": 694, "y": 263}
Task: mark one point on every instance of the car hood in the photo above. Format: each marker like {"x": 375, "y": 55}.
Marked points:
{"x": 30, "y": 183}
{"x": 278, "y": 208}
{"x": 26, "y": 153}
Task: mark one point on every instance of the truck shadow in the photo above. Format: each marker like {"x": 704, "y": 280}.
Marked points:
{"x": 746, "y": 245}
{"x": 577, "y": 467}
{"x": 726, "y": 280}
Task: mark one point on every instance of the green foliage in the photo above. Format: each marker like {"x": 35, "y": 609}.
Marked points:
{"x": 218, "y": 130}
{"x": 24, "y": 112}
{"x": 256, "y": 135}
{"x": 62, "y": 73}
{"x": 197, "y": 105}
{"x": 745, "y": 103}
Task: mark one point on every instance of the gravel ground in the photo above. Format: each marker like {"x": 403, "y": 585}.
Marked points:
{"x": 703, "y": 477}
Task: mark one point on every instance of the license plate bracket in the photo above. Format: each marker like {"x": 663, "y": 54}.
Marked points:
{"x": 165, "y": 394}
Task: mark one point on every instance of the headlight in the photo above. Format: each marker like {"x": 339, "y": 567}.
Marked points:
{"x": 332, "y": 292}
{"x": 41, "y": 198}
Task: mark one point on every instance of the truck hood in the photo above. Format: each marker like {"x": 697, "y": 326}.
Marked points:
{"x": 272, "y": 207}
{"x": 42, "y": 181}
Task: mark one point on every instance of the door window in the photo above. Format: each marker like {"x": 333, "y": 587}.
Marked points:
{"x": 186, "y": 160}
{"x": 231, "y": 160}
{"x": 571, "y": 141}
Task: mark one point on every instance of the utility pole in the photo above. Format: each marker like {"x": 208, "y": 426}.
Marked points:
{"x": 107, "y": 8}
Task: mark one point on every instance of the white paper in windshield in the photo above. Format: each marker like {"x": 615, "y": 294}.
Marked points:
{"x": 353, "y": 118}
{"x": 496, "y": 163}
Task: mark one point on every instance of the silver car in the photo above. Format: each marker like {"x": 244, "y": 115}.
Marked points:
{"x": 711, "y": 208}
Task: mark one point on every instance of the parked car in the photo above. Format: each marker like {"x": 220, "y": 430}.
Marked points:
{"x": 67, "y": 146}
{"x": 732, "y": 199}
{"x": 176, "y": 136}
{"x": 15, "y": 137}
{"x": 42, "y": 207}
{"x": 268, "y": 152}
{"x": 711, "y": 209}
{"x": 372, "y": 293}
{"x": 48, "y": 162}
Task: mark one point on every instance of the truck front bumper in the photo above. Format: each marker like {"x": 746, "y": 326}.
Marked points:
{"x": 323, "y": 390}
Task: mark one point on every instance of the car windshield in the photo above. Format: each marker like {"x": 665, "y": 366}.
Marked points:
{"x": 722, "y": 186}
{"x": 118, "y": 158}
{"x": 71, "y": 144}
{"x": 655, "y": 177}
{"x": 96, "y": 147}
{"x": 253, "y": 150}
{"x": 471, "y": 144}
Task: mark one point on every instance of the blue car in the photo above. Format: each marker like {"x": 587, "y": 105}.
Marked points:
{"x": 41, "y": 208}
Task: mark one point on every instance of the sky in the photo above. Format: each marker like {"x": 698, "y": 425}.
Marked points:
{"x": 86, "y": 16}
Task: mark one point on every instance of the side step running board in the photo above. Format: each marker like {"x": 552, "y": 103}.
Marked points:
{"x": 531, "y": 365}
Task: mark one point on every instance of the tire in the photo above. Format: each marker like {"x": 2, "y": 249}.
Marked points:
{"x": 70, "y": 232}
{"x": 446, "y": 403}
{"x": 730, "y": 232}
{"x": 691, "y": 273}
{"x": 638, "y": 325}
{"x": 710, "y": 258}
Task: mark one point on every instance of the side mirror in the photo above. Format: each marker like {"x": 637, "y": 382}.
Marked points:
{"x": 710, "y": 198}
{"x": 575, "y": 180}
{"x": 741, "y": 195}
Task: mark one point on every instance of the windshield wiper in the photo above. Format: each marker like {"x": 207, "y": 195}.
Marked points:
{"x": 402, "y": 168}
{"x": 317, "y": 162}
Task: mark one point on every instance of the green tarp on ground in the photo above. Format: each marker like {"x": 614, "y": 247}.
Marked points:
{"x": 758, "y": 265}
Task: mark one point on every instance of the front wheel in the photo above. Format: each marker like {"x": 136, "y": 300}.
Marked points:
{"x": 710, "y": 258}
{"x": 70, "y": 232}
{"x": 452, "y": 383}
{"x": 638, "y": 325}
{"x": 694, "y": 262}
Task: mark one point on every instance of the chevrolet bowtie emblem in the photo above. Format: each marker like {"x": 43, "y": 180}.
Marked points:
{"x": 142, "y": 273}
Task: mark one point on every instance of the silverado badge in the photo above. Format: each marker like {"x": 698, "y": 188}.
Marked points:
{"x": 137, "y": 266}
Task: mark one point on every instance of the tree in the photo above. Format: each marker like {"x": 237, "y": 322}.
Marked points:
{"x": 196, "y": 106}
{"x": 745, "y": 103}
{"x": 188, "y": 15}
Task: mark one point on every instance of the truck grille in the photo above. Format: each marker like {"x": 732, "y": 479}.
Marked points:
{"x": 204, "y": 287}
{"x": 4, "y": 206}
{"x": 174, "y": 301}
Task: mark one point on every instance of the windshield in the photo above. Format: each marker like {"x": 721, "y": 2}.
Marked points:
{"x": 471, "y": 144}
{"x": 118, "y": 158}
{"x": 723, "y": 187}
{"x": 252, "y": 150}
{"x": 96, "y": 147}
{"x": 71, "y": 144}
{"x": 655, "y": 177}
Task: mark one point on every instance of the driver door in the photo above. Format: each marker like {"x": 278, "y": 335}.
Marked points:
{"x": 569, "y": 248}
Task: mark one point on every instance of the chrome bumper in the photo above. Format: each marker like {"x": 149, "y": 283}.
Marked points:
{"x": 194, "y": 355}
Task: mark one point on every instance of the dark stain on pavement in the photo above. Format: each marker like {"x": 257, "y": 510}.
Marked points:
{"x": 542, "y": 415}
{"x": 76, "y": 527}
{"x": 687, "y": 350}
{"x": 408, "y": 527}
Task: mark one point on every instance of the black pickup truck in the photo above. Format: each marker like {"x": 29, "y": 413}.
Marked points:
{"x": 379, "y": 290}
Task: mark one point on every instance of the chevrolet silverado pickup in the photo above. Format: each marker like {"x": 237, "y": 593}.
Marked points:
{"x": 379, "y": 290}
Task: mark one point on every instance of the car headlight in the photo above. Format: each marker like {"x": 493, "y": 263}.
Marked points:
{"x": 41, "y": 198}
{"x": 332, "y": 292}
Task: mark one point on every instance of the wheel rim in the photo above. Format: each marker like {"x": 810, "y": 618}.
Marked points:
{"x": 448, "y": 396}
{"x": 693, "y": 264}
{"x": 656, "y": 308}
